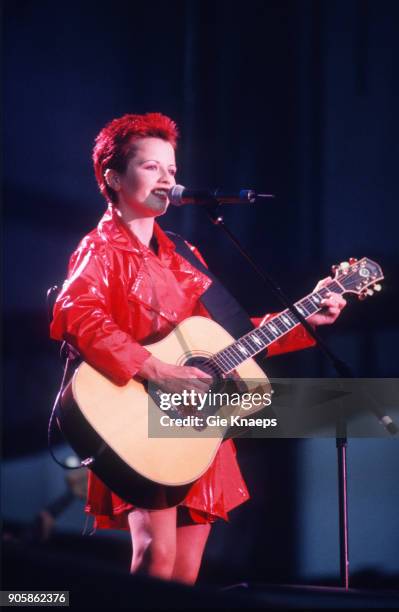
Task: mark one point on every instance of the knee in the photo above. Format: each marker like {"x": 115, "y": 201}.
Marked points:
{"x": 160, "y": 559}
{"x": 141, "y": 552}
{"x": 152, "y": 558}
{"x": 186, "y": 572}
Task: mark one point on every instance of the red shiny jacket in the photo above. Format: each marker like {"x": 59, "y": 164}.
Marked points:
{"x": 119, "y": 296}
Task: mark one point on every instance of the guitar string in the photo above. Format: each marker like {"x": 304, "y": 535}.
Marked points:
{"x": 246, "y": 337}
{"x": 226, "y": 357}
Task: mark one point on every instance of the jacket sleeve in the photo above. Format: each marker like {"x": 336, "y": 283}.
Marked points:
{"x": 81, "y": 316}
{"x": 295, "y": 340}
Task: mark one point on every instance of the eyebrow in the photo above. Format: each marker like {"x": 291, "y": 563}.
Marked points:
{"x": 144, "y": 161}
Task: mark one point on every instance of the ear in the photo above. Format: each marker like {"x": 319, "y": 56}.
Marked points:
{"x": 112, "y": 179}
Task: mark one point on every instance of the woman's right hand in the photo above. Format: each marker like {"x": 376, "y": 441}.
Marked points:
{"x": 174, "y": 379}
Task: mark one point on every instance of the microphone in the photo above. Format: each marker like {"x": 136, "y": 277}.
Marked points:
{"x": 179, "y": 196}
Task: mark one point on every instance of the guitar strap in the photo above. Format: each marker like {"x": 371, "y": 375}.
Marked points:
{"x": 226, "y": 311}
{"x": 219, "y": 302}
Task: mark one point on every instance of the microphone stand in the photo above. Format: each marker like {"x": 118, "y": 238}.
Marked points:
{"x": 342, "y": 370}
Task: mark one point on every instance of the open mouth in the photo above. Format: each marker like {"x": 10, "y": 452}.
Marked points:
{"x": 162, "y": 194}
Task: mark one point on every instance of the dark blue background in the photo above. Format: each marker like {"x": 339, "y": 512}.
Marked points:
{"x": 295, "y": 98}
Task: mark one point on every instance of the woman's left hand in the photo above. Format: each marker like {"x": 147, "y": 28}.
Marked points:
{"x": 332, "y": 306}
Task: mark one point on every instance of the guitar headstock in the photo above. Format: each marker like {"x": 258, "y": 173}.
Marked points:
{"x": 361, "y": 276}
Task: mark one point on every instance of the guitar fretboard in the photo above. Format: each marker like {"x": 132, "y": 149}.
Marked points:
{"x": 260, "y": 338}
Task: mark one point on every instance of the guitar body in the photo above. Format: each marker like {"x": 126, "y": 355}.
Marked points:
{"x": 109, "y": 425}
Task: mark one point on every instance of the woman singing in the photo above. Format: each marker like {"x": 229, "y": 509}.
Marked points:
{"x": 128, "y": 287}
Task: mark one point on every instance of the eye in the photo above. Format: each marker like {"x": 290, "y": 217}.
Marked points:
{"x": 152, "y": 167}
{"x": 172, "y": 171}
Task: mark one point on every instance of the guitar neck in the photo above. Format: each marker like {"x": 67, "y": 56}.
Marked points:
{"x": 260, "y": 338}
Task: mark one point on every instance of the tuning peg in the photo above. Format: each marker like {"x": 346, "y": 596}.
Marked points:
{"x": 377, "y": 287}
{"x": 362, "y": 296}
{"x": 344, "y": 266}
{"x": 352, "y": 260}
{"x": 369, "y": 292}
{"x": 334, "y": 268}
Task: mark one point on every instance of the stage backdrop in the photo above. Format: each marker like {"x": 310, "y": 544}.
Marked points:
{"x": 298, "y": 99}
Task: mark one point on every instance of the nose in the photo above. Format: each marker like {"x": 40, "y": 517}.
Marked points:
{"x": 166, "y": 178}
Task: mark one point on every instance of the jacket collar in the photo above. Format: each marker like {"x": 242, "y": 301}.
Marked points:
{"x": 113, "y": 229}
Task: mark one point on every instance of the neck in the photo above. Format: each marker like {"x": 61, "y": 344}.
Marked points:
{"x": 141, "y": 227}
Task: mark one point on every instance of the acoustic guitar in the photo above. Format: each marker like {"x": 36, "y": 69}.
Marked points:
{"x": 116, "y": 430}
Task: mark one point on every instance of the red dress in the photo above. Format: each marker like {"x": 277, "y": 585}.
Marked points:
{"x": 120, "y": 295}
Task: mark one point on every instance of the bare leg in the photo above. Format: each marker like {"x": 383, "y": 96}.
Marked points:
{"x": 190, "y": 545}
{"x": 154, "y": 542}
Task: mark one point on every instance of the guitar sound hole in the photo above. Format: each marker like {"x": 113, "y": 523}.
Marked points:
{"x": 202, "y": 363}
{"x": 219, "y": 385}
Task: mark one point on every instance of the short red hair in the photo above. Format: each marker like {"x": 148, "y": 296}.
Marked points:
{"x": 113, "y": 145}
